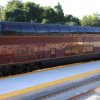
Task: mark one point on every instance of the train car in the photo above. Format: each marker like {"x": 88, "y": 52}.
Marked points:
{"x": 25, "y": 47}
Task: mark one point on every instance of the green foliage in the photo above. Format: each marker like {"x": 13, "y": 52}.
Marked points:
{"x": 14, "y": 4}
{"x": 92, "y": 20}
{"x": 33, "y": 12}
{"x": 70, "y": 23}
{"x": 53, "y": 15}
{"x": 15, "y": 10}
{"x": 44, "y": 21}
{"x": 1, "y": 10}
{"x": 0, "y": 14}
{"x": 59, "y": 13}
{"x": 49, "y": 15}
{"x": 71, "y": 20}
{"x": 14, "y": 15}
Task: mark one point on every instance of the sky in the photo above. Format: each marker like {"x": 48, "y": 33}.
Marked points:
{"x": 77, "y": 8}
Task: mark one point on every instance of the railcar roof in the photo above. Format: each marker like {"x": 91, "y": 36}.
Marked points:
{"x": 27, "y": 28}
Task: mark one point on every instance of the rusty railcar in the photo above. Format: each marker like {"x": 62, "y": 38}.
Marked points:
{"x": 25, "y": 47}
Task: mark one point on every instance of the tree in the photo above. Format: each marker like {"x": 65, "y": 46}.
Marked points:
{"x": 87, "y": 21}
{"x": 14, "y": 4}
{"x": 13, "y": 11}
{"x": 71, "y": 20}
{"x": 49, "y": 15}
{"x": 0, "y": 14}
{"x": 18, "y": 11}
{"x": 92, "y": 20}
{"x": 53, "y": 15}
{"x": 33, "y": 12}
{"x": 11, "y": 15}
{"x": 1, "y": 9}
{"x": 59, "y": 18}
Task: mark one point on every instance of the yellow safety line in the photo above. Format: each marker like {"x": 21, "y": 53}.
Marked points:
{"x": 23, "y": 91}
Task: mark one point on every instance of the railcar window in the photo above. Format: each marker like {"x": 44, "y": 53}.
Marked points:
{"x": 67, "y": 51}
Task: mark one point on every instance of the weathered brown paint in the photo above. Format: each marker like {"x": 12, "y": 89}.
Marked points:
{"x": 38, "y": 47}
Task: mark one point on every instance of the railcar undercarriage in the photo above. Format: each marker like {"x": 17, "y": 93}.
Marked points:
{"x": 14, "y": 69}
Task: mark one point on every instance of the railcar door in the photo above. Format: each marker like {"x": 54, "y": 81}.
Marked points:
{"x": 53, "y": 52}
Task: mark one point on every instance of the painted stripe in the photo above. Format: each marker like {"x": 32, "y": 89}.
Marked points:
{"x": 16, "y": 93}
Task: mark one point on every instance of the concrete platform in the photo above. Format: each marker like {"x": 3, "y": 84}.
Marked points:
{"x": 14, "y": 86}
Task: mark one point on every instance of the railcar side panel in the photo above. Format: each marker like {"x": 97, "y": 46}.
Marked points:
{"x": 21, "y": 49}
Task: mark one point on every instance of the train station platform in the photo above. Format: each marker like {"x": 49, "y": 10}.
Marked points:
{"x": 20, "y": 86}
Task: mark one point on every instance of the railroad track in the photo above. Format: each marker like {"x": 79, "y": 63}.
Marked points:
{"x": 64, "y": 92}
{"x": 77, "y": 97}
